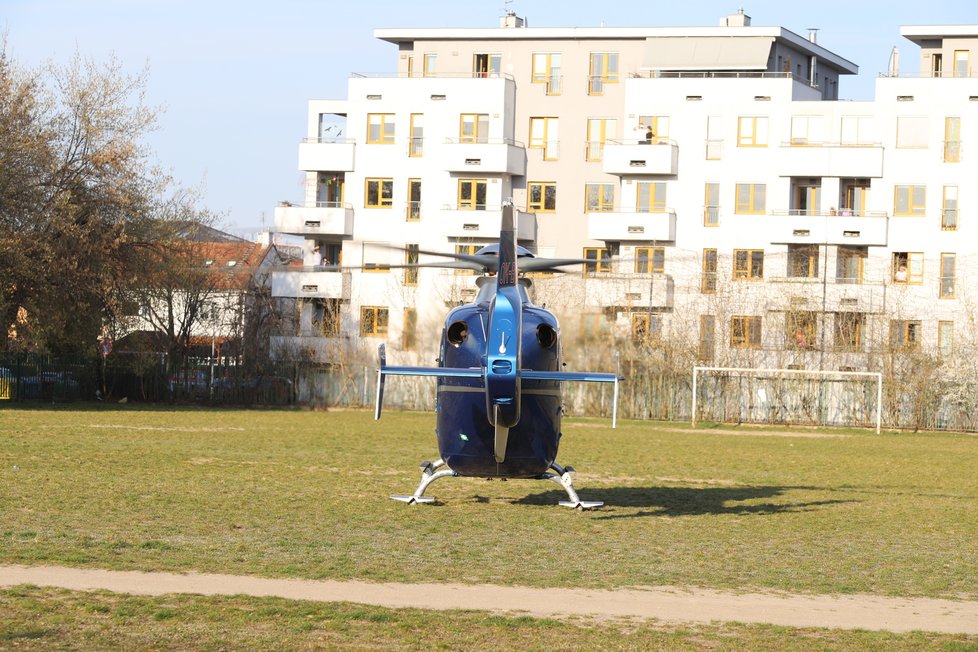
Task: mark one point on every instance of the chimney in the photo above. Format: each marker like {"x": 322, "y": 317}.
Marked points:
{"x": 511, "y": 20}
{"x": 739, "y": 19}
{"x": 813, "y": 34}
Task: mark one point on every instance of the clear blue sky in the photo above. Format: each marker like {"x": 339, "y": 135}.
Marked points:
{"x": 234, "y": 77}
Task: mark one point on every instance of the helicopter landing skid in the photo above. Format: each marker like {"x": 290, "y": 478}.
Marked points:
{"x": 428, "y": 475}
{"x": 565, "y": 478}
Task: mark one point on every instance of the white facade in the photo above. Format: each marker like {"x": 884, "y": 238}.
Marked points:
{"x": 761, "y": 214}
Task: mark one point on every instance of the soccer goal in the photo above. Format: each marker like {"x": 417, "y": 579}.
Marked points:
{"x": 795, "y": 396}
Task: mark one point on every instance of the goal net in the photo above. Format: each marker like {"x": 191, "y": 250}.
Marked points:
{"x": 789, "y": 396}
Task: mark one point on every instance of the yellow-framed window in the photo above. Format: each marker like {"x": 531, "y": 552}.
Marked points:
{"x": 603, "y": 70}
{"x": 952, "y": 139}
{"x": 466, "y": 250}
{"x": 416, "y": 146}
{"x": 599, "y": 260}
{"x": 473, "y": 128}
{"x": 414, "y": 200}
{"x": 945, "y": 339}
{"x": 856, "y": 195}
{"x": 949, "y": 209}
{"x": 411, "y": 258}
{"x": 430, "y": 64}
{"x": 800, "y": 329}
{"x": 908, "y": 267}
{"x": 487, "y": 64}
{"x": 546, "y": 70}
{"x": 711, "y": 205}
{"x": 905, "y": 334}
{"x": 650, "y": 197}
{"x": 752, "y": 131}
{"x": 650, "y": 259}
{"x": 848, "y": 335}
{"x": 745, "y": 332}
{"x": 708, "y": 279}
{"x": 373, "y": 320}
{"x": 472, "y": 194}
{"x": 750, "y": 198}
{"x": 599, "y": 130}
{"x": 849, "y": 264}
{"x": 409, "y": 331}
{"x": 599, "y": 197}
{"x": 961, "y": 63}
{"x": 803, "y": 260}
{"x": 910, "y": 201}
{"x": 541, "y": 196}
{"x": 948, "y": 276}
{"x": 380, "y": 128}
{"x": 748, "y": 264}
{"x": 658, "y": 125}
{"x": 543, "y": 135}
{"x": 646, "y": 328}
{"x": 378, "y": 193}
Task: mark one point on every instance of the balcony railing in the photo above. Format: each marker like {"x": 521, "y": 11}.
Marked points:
{"x": 830, "y": 212}
{"x": 432, "y": 75}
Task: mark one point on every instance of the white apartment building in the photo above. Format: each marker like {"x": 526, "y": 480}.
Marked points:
{"x": 722, "y": 190}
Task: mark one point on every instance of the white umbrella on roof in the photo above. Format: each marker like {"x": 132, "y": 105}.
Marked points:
{"x": 893, "y": 69}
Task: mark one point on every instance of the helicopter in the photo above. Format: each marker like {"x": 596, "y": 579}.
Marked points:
{"x": 498, "y": 405}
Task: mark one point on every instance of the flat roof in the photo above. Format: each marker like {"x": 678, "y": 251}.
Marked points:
{"x": 398, "y": 35}
{"x": 918, "y": 33}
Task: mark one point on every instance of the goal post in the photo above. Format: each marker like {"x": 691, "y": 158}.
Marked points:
{"x": 784, "y": 395}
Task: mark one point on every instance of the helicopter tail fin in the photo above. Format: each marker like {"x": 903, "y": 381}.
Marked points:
{"x": 507, "y": 275}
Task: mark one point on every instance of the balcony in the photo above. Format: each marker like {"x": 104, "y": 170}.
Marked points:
{"x": 310, "y": 282}
{"x": 324, "y": 154}
{"x": 806, "y": 159}
{"x": 635, "y": 291}
{"x": 490, "y": 156}
{"x": 844, "y": 227}
{"x": 484, "y": 224}
{"x": 618, "y": 226}
{"x": 321, "y": 218}
{"x": 629, "y": 157}
{"x": 829, "y": 295}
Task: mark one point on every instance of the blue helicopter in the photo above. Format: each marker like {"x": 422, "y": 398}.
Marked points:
{"x": 498, "y": 377}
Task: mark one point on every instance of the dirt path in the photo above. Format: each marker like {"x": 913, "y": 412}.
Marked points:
{"x": 661, "y": 603}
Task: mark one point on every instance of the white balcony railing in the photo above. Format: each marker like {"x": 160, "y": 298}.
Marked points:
{"x": 310, "y": 282}
{"x": 333, "y": 155}
{"x": 658, "y": 156}
{"x": 320, "y": 218}
{"x": 484, "y": 223}
{"x": 496, "y": 156}
{"x": 843, "y": 227}
{"x": 618, "y": 226}
{"x": 809, "y": 159}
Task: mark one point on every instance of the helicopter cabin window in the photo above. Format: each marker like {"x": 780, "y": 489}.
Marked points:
{"x": 646, "y": 328}
{"x": 541, "y": 196}
{"x": 380, "y": 128}
{"x": 745, "y": 332}
{"x": 748, "y": 264}
{"x": 599, "y": 197}
{"x": 650, "y": 259}
{"x": 601, "y": 260}
{"x": 409, "y": 332}
{"x": 373, "y": 320}
{"x": 472, "y": 194}
{"x": 473, "y": 128}
{"x": 411, "y": 260}
{"x": 379, "y": 193}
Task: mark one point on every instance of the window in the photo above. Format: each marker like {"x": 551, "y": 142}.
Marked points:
{"x": 472, "y": 194}
{"x": 802, "y": 261}
{"x": 806, "y": 130}
{"x": 466, "y": 250}
{"x": 646, "y": 328}
{"x": 706, "y": 339}
{"x": 911, "y": 131}
{"x": 948, "y": 263}
{"x": 604, "y": 70}
{"x": 650, "y": 197}
{"x": 546, "y": 70}
{"x": 380, "y": 128}
{"x": 379, "y": 193}
{"x": 752, "y": 131}
{"x": 905, "y": 335}
{"x": 945, "y": 339}
{"x": 416, "y": 146}
{"x": 711, "y": 205}
{"x": 857, "y": 130}
{"x": 748, "y": 264}
{"x": 849, "y": 264}
{"x": 373, "y": 320}
{"x": 473, "y": 128}
{"x": 952, "y": 139}
{"x": 542, "y": 196}
{"x": 658, "y": 125}
{"x": 543, "y": 135}
{"x": 650, "y": 259}
{"x": 750, "y": 198}
{"x": 409, "y": 333}
{"x": 714, "y": 138}
{"x": 414, "y": 200}
{"x": 326, "y": 316}
{"x": 599, "y": 197}
{"x": 857, "y": 191}
{"x": 411, "y": 257}
{"x": 961, "y": 63}
{"x": 745, "y": 332}
{"x": 376, "y": 257}
{"x": 909, "y": 200}
{"x": 949, "y": 209}
{"x": 598, "y": 131}
{"x": 807, "y": 195}
{"x": 908, "y": 267}
{"x": 848, "y": 331}
{"x": 430, "y": 64}
{"x": 487, "y": 64}
{"x": 601, "y": 260}
{"x": 708, "y": 282}
{"x": 800, "y": 330}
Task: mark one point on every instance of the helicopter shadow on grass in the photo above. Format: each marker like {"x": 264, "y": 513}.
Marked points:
{"x": 688, "y": 501}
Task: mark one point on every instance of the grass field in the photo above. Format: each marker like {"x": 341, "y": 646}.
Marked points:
{"x": 305, "y": 494}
